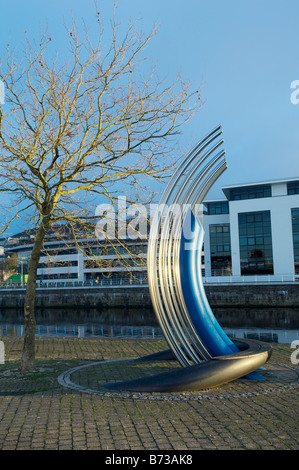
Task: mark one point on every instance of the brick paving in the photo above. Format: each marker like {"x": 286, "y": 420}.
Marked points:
{"x": 39, "y": 413}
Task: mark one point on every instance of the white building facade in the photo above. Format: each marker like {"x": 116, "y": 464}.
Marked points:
{"x": 254, "y": 231}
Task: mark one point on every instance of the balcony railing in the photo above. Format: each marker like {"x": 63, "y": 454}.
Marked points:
{"x": 74, "y": 283}
{"x": 253, "y": 279}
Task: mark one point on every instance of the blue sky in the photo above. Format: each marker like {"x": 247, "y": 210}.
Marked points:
{"x": 244, "y": 56}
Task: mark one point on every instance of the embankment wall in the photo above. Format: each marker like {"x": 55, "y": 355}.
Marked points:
{"x": 275, "y": 295}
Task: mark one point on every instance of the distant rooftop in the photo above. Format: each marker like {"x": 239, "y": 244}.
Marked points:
{"x": 262, "y": 183}
{"x": 258, "y": 184}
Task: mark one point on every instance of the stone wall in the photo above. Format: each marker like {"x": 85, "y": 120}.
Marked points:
{"x": 275, "y": 295}
{"x": 282, "y": 295}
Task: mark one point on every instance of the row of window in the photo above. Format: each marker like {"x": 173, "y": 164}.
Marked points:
{"x": 61, "y": 251}
{"x": 110, "y": 263}
{"x": 253, "y": 192}
{"x": 57, "y": 264}
{"x": 256, "y": 192}
{"x": 45, "y": 277}
{"x": 97, "y": 250}
{"x": 109, "y": 250}
{"x": 95, "y": 276}
{"x": 216, "y": 208}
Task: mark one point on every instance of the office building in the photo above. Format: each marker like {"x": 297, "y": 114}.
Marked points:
{"x": 254, "y": 230}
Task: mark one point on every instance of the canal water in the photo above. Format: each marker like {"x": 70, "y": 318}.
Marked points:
{"x": 280, "y": 325}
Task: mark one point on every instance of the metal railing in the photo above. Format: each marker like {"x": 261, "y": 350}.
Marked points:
{"x": 207, "y": 280}
{"x": 253, "y": 279}
{"x": 85, "y": 331}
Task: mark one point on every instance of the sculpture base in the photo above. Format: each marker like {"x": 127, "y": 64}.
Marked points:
{"x": 213, "y": 373}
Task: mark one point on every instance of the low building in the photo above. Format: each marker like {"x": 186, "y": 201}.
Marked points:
{"x": 86, "y": 261}
{"x": 252, "y": 231}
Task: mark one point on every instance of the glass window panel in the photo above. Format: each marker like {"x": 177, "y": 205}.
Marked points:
{"x": 220, "y": 249}
{"x": 293, "y": 188}
{"x": 259, "y": 254}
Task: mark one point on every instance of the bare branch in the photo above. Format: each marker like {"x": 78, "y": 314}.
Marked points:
{"x": 76, "y": 128}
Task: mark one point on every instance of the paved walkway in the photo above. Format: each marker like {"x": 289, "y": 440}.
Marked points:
{"x": 38, "y": 412}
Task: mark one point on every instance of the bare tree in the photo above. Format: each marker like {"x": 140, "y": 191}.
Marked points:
{"x": 80, "y": 126}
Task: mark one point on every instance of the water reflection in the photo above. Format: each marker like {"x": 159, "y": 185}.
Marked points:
{"x": 275, "y": 325}
{"x": 258, "y": 317}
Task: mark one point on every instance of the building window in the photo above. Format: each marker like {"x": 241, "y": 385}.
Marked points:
{"x": 115, "y": 250}
{"x": 50, "y": 251}
{"x": 295, "y": 226}
{"x": 252, "y": 192}
{"x": 23, "y": 261}
{"x": 293, "y": 188}
{"x": 117, "y": 277}
{"x": 61, "y": 276}
{"x": 255, "y": 239}
{"x": 219, "y": 207}
{"x": 220, "y": 249}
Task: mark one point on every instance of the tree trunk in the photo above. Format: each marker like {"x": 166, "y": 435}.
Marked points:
{"x": 28, "y": 355}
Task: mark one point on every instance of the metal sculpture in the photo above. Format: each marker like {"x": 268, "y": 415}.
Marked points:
{"x": 207, "y": 355}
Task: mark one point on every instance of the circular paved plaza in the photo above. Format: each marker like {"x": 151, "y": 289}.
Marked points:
{"x": 62, "y": 403}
